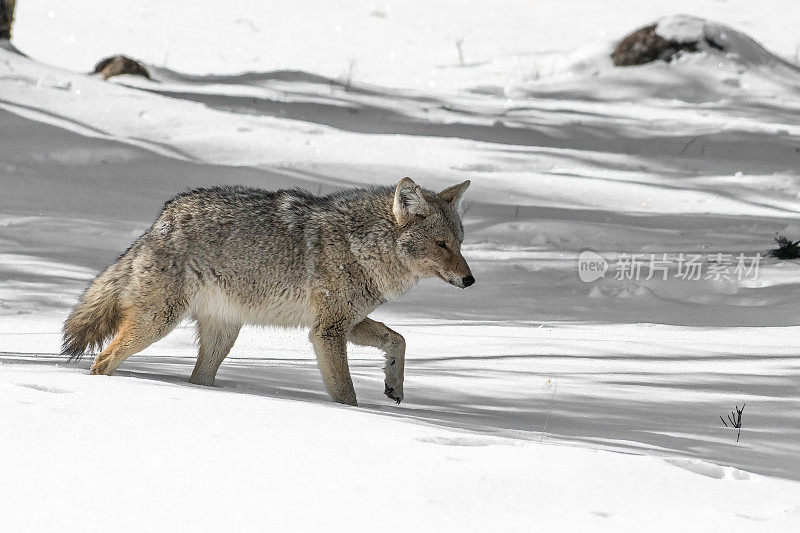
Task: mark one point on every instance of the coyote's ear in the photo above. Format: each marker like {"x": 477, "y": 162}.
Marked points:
{"x": 453, "y": 194}
{"x": 408, "y": 202}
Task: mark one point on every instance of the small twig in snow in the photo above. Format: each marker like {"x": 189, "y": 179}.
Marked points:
{"x": 459, "y": 47}
{"x": 688, "y": 144}
{"x": 735, "y": 418}
{"x": 552, "y": 386}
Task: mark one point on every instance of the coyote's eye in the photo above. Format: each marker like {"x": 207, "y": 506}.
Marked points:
{"x": 441, "y": 244}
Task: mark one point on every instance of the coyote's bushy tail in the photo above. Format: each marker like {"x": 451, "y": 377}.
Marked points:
{"x": 95, "y": 318}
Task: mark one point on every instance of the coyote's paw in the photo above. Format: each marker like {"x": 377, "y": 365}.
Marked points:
{"x": 99, "y": 367}
{"x": 395, "y": 394}
{"x": 393, "y": 383}
{"x": 347, "y": 400}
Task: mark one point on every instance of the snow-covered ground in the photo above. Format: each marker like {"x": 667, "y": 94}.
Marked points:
{"x": 533, "y": 399}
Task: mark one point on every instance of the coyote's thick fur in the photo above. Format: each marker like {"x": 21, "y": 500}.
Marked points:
{"x": 228, "y": 256}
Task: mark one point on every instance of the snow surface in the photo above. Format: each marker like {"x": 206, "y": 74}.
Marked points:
{"x": 532, "y": 399}
{"x": 682, "y": 29}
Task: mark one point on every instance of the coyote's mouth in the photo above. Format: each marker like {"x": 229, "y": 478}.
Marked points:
{"x": 454, "y": 283}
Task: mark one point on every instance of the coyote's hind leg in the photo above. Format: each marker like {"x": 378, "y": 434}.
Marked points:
{"x": 138, "y": 329}
{"x": 369, "y": 332}
{"x": 132, "y": 337}
{"x": 216, "y": 338}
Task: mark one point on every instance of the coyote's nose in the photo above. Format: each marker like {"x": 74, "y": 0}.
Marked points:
{"x": 467, "y": 281}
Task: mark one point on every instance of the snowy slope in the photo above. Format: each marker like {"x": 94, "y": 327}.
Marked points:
{"x": 522, "y": 390}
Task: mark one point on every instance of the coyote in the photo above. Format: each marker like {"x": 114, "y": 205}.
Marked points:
{"x": 229, "y": 256}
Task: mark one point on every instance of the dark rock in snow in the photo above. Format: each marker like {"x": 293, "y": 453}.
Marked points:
{"x": 116, "y": 65}
{"x": 646, "y": 45}
{"x": 6, "y": 18}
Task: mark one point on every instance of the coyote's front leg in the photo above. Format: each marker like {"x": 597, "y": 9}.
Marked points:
{"x": 330, "y": 344}
{"x": 369, "y": 332}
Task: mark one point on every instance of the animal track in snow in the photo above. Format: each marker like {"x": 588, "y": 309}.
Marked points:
{"x": 42, "y": 388}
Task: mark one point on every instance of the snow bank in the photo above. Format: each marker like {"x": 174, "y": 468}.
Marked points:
{"x": 716, "y": 38}
{"x": 410, "y": 44}
{"x": 725, "y": 61}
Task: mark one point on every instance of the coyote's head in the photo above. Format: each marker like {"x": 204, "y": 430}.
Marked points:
{"x": 431, "y": 232}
